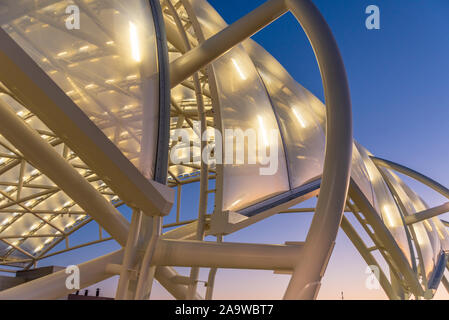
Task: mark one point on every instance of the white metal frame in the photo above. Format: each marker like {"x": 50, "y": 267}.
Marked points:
{"x": 150, "y": 253}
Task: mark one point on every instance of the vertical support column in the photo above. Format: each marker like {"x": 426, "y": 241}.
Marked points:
{"x": 129, "y": 255}
{"x": 211, "y": 278}
{"x": 147, "y": 271}
{"x": 204, "y": 184}
{"x": 204, "y": 170}
{"x": 144, "y": 230}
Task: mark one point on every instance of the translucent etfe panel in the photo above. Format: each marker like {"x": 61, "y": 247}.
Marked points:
{"x": 244, "y": 105}
{"x": 360, "y": 175}
{"x": 385, "y": 204}
{"x": 442, "y": 233}
{"x": 435, "y": 230}
{"x": 422, "y": 241}
{"x": 108, "y": 66}
{"x": 317, "y": 106}
{"x": 304, "y": 137}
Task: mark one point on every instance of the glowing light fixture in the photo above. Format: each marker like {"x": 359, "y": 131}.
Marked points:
{"x": 421, "y": 237}
{"x": 71, "y": 223}
{"x": 236, "y": 65}
{"x": 131, "y": 77}
{"x": 34, "y": 226}
{"x": 299, "y": 117}
{"x": 135, "y": 50}
{"x": 388, "y": 215}
{"x": 235, "y": 203}
{"x": 6, "y": 221}
{"x": 428, "y": 226}
{"x": 77, "y": 89}
{"x": 264, "y": 132}
{"x": 440, "y": 234}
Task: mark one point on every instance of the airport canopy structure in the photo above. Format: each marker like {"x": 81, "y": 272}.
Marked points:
{"x": 90, "y": 115}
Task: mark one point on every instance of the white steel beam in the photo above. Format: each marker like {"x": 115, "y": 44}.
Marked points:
{"x": 195, "y": 59}
{"x": 49, "y": 162}
{"x": 38, "y": 152}
{"x": 427, "y": 214}
{"x": 32, "y": 86}
{"x": 412, "y": 174}
{"x": 226, "y": 255}
{"x": 307, "y": 276}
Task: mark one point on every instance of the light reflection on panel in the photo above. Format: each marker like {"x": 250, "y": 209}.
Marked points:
{"x": 244, "y": 104}
{"x": 303, "y": 133}
{"x": 385, "y": 204}
{"x": 434, "y": 227}
{"x": 442, "y": 233}
{"x": 422, "y": 240}
{"x": 108, "y": 67}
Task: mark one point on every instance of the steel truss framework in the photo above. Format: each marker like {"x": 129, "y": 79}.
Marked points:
{"x": 63, "y": 165}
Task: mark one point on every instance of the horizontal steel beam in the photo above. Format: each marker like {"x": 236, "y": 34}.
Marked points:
{"x": 427, "y": 214}
{"x": 226, "y": 255}
{"x": 304, "y": 210}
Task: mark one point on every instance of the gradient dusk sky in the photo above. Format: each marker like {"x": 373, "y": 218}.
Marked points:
{"x": 398, "y": 77}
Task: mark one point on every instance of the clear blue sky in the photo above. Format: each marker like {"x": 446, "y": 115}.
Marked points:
{"x": 398, "y": 77}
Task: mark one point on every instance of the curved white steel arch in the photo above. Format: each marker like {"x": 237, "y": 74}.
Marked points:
{"x": 307, "y": 274}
